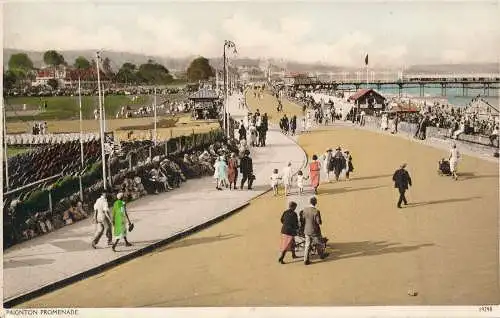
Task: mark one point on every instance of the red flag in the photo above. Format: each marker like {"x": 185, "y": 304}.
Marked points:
{"x": 366, "y": 59}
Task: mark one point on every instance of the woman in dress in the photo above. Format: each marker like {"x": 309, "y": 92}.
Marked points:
{"x": 314, "y": 172}
{"x": 288, "y": 231}
{"x": 220, "y": 174}
{"x": 120, "y": 220}
{"x": 233, "y": 171}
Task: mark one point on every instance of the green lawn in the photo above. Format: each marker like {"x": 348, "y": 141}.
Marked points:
{"x": 66, "y": 107}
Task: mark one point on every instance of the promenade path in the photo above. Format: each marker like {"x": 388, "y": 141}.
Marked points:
{"x": 66, "y": 253}
{"x": 444, "y": 244}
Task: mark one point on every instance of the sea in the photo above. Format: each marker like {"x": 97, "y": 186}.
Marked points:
{"x": 454, "y": 95}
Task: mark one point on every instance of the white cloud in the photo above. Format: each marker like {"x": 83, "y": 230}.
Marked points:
{"x": 291, "y": 35}
{"x": 289, "y": 41}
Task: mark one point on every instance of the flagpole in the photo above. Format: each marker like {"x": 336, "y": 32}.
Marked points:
{"x": 103, "y": 108}
{"x": 154, "y": 108}
{"x": 366, "y": 66}
{"x": 101, "y": 123}
{"x": 81, "y": 136}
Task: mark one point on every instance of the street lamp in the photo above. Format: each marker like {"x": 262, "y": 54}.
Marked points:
{"x": 230, "y": 45}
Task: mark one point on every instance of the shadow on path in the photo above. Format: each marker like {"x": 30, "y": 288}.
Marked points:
{"x": 416, "y": 204}
{"x": 347, "y": 189}
{"x": 31, "y": 262}
{"x": 372, "y": 177}
{"x": 472, "y": 175}
{"x": 367, "y": 248}
{"x": 199, "y": 240}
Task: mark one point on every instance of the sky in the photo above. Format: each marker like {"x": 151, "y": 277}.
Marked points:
{"x": 331, "y": 32}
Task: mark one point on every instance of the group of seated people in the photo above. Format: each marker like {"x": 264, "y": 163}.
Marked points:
{"x": 49, "y": 161}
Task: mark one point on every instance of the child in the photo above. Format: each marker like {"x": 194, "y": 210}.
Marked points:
{"x": 300, "y": 181}
{"x": 274, "y": 181}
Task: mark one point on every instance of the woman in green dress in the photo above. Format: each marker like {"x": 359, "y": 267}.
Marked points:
{"x": 120, "y": 220}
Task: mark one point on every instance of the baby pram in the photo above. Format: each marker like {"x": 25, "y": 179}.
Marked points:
{"x": 444, "y": 168}
{"x": 318, "y": 245}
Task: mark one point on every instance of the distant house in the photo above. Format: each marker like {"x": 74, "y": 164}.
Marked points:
{"x": 67, "y": 76}
{"x": 368, "y": 98}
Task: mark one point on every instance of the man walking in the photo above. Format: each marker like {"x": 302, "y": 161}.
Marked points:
{"x": 454, "y": 156}
{"x": 246, "y": 169}
{"x": 311, "y": 220}
{"x": 402, "y": 181}
{"x": 102, "y": 220}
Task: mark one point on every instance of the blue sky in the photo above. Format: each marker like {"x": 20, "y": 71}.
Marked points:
{"x": 334, "y": 32}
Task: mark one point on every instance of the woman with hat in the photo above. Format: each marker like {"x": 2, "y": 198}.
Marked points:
{"x": 233, "y": 171}
{"x": 327, "y": 158}
{"x": 338, "y": 163}
{"x": 314, "y": 172}
{"x": 120, "y": 220}
{"x": 220, "y": 173}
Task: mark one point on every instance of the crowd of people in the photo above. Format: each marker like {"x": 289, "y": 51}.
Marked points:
{"x": 253, "y": 129}
{"x": 110, "y": 89}
{"x": 49, "y": 161}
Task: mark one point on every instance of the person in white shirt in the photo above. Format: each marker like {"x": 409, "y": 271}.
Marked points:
{"x": 300, "y": 181}
{"x": 274, "y": 181}
{"x": 102, "y": 220}
{"x": 287, "y": 177}
{"x": 454, "y": 156}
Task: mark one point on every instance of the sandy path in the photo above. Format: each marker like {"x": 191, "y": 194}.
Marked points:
{"x": 445, "y": 244}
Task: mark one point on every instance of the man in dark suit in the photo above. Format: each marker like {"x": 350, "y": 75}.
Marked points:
{"x": 402, "y": 181}
{"x": 246, "y": 169}
{"x": 242, "y": 132}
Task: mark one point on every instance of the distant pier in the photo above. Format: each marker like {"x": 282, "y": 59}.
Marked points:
{"x": 488, "y": 84}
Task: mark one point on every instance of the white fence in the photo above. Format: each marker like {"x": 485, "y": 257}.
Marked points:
{"x": 30, "y": 139}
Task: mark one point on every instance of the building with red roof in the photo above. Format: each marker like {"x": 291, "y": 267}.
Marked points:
{"x": 68, "y": 76}
{"x": 367, "y": 97}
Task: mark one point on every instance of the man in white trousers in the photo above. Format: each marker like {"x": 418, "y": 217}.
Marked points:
{"x": 102, "y": 220}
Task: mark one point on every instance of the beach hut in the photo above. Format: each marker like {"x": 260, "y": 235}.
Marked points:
{"x": 368, "y": 99}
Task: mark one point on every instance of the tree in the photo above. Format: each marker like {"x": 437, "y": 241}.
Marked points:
{"x": 9, "y": 79}
{"x": 199, "y": 69}
{"x": 53, "y": 83}
{"x": 20, "y": 61}
{"x": 127, "y": 73}
{"x": 53, "y": 58}
{"x": 154, "y": 73}
{"x": 82, "y": 63}
{"x": 106, "y": 67}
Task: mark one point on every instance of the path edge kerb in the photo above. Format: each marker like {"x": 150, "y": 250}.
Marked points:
{"x": 16, "y": 300}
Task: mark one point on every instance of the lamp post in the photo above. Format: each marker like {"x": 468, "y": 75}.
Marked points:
{"x": 101, "y": 121}
{"x": 230, "y": 45}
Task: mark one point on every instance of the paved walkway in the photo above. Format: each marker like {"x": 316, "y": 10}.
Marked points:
{"x": 467, "y": 148}
{"x": 66, "y": 253}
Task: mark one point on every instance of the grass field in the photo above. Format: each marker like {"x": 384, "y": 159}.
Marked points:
{"x": 67, "y": 107}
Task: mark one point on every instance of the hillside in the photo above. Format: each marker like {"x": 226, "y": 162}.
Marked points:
{"x": 180, "y": 64}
